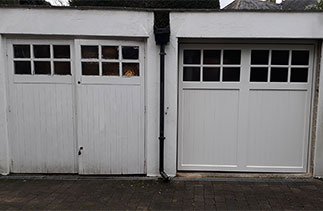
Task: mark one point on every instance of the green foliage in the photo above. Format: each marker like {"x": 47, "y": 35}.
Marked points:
{"x": 165, "y": 4}
{"x": 317, "y": 6}
{"x": 9, "y": 2}
{"x": 24, "y": 2}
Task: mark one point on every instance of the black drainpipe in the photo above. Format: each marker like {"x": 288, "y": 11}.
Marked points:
{"x": 162, "y": 38}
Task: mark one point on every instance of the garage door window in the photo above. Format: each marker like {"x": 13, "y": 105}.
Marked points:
{"x": 211, "y": 65}
{"x": 230, "y": 58}
{"x": 34, "y": 59}
{"x": 279, "y": 66}
{"x": 110, "y": 61}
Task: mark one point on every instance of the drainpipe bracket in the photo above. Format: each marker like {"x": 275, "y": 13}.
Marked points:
{"x": 161, "y": 138}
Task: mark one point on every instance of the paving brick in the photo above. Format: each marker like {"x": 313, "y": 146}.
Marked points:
{"x": 101, "y": 194}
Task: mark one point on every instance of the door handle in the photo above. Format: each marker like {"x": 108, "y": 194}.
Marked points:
{"x": 80, "y": 151}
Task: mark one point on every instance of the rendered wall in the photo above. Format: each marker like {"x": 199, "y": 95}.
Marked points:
{"x": 247, "y": 25}
{"x": 4, "y": 165}
{"x": 318, "y": 160}
{"x": 75, "y": 22}
{"x": 123, "y": 24}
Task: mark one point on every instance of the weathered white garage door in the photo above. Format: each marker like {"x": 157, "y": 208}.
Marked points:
{"x": 76, "y": 107}
{"x": 41, "y": 112}
{"x": 110, "y": 107}
{"x": 245, "y": 107}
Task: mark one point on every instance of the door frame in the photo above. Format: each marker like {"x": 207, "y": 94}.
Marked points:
{"x": 254, "y": 44}
{"x": 90, "y": 80}
{"x": 12, "y": 79}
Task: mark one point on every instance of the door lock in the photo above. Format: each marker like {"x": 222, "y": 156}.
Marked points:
{"x": 80, "y": 150}
{"x": 79, "y": 82}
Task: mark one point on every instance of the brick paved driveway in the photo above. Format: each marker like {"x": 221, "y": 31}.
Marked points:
{"x": 152, "y": 194}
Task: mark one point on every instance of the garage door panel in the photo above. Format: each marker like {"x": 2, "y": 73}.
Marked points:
{"x": 284, "y": 130}
{"x": 210, "y": 136}
{"x": 41, "y": 129}
{"x": 110, "y": 130}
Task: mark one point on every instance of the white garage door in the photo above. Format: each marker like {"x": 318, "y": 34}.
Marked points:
{"x": 76, "y": 107}
{"x": 41, "y": 112}
{"x": 110, "y": 107}
{"x": 245, "y": 107}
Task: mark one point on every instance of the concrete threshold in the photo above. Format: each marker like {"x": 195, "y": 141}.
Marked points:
{"x": 225, "y": 177}
{"x": 75, "y": 177}
{"x": 241, "y": 175}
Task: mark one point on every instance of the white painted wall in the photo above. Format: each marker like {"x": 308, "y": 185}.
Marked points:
{"x": 75, "y": 22}
{"x": 4, "y": 165}
{"x": 122, "y": 24}
{"x": 318, "y": 160}
{"x": 247, "y": 24}
{"x": 171, "y": 104}
{"x": 152, "y": 105}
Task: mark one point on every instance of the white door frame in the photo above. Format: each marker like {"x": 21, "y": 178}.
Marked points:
{"x": 244, "y": 82}
{"x": 110, "y": 80}
{"x": 73, "y": 79}
{"x": 13, "y": 79}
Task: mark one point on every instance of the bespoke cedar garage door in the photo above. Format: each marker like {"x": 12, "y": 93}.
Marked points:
{"x": 245, "y": 107}
{"x": 76, "y": 106}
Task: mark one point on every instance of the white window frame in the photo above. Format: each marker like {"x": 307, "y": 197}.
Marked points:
{"x": 99, "y": 79}
{"x": 40, "y": 79}
{"x": 284, "y": 85}
{"x": 201, "y": 65}
{"x": 245, "y": 66}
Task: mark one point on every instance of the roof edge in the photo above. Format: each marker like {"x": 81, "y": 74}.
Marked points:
{"x": 156, "y": 9}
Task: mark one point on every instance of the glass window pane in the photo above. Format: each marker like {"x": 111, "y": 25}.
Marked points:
{"x": 192, "y": 57}
{"x": 21, "y": 51}
{"x": 259, "y": 56}
{"x": 90, "y": 68}
{"x": 191, "y": 74}
{"x": 299, "y": 75}
{"x": 23, "y": 67}
{"x": 111, "y": 69}
{"x": 130, "y": 52}
{"x": 62, "y": 51}
{"x": 211, "y": 74}
{"x": 110, "y": 52}
{"x": 62, "y": 68}
{"x": 90, "y": 52}
{"x": 231, "y": 56}
{"x": 259, "y": 74}
{"x": 300, "y": 57}
{"x": 212, "y": 57}
{"x": 41, "y": 51}
{"x": 130, "y": 69}
{"x": 231, "y": 74}
{"x": 279, "y": 57}
{"x": 42, "y": 68}
{"x": 279, "y": 74}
